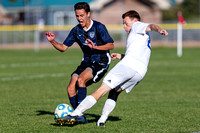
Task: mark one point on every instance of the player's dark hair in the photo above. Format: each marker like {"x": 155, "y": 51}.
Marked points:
{"x": 82, "y": 5}
{"x": 131, "y": 14}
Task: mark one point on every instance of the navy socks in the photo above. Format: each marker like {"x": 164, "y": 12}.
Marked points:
{"x": 78, "y": 98}
{"x": 82, "y": 92}
{"x": 73, "y": 101}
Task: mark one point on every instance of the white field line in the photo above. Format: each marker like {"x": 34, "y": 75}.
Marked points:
{"x": 7, "y": 74}
{"x": 29, "y": 77}
{"x": 35, "y": 64}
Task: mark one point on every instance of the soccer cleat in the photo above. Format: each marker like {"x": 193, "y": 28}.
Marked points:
{"x": 66, "y": 120}
{"x": 101, "y": 124}
{"x": 81, "y": 119}
{"x": 71, "y": 120}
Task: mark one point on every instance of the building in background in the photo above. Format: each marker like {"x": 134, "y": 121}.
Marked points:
{"x": 3, "y": 16}
{"x": 2, "y": 10}
{"x": 53, "y": 12}
{"x": 60, "y": 12}
{"x": 110, "y": 11}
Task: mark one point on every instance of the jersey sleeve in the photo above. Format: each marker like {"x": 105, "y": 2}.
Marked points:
{"x": 139, "y": 27}
{"x": 69, "y": 41}
{"x": 103, "y": 34}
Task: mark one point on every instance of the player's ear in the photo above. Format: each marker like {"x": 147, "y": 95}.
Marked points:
{"x": 88, "y": 14}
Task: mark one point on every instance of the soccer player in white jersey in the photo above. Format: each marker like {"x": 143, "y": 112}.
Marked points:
{"x": 127, "y": 73}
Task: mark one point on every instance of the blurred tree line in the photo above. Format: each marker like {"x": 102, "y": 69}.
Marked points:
{"x": 190, "y": 10}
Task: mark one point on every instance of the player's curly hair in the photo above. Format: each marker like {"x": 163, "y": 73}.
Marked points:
{"x": 131, "y": 14}
{"x": 82, "y": 5}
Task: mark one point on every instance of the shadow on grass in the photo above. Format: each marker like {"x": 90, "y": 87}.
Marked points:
{"x": 92, "y": 118}
{"x": 42, "y": 112}
{"x": 64, "y": 125}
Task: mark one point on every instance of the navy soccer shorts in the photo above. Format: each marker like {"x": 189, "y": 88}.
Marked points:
{"x": 98, "y": 70}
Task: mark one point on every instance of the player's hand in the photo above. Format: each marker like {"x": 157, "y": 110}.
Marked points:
{"x": 163, "y": 32}
{"x": 90, "y": 43}
{"x": 50, "y": 36}
{"x": 115, "y": 56}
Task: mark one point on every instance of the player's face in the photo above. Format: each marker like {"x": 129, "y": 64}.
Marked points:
{"x": 127, "y": 22}
{"x": 83, "y": 17}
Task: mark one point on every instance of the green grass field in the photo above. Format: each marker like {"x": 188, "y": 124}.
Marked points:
{"x": 32, "y": 84}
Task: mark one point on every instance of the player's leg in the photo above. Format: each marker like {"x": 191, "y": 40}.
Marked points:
{"x": 109, "y": 106}
{"x": 92, "y": 74}
{"x": 71, "y": 89}
{"x": 113, "y": 79}
{"x": 86, "y": 104}
{"x": 85, "y": 76}
{"x": 113, "y": 95}
{"x": 91, "y": 100}
{"x": 121, "y": 74}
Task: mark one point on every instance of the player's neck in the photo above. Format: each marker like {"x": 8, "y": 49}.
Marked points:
{"x": 87, "y": 24}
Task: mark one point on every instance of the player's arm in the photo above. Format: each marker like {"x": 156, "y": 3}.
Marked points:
{"x": 107, "y": 46}
{"x": 153, "y": 27}
{"x": 59, "y": 46}
{"x": 115, "y": 56}
{"x": 50, "y": 37}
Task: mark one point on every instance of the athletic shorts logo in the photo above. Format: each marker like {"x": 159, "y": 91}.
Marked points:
{"x": 109, "y": 81}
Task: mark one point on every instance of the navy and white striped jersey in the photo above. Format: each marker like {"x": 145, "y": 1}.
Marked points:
{"x": 98, "y": 33}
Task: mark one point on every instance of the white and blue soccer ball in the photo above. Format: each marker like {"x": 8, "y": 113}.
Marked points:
{"x": 62, "y": 110}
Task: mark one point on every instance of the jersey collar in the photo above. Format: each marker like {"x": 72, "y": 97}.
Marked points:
{"x": 89, "y": 26}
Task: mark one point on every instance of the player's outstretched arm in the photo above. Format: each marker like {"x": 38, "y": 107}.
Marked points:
{"x": 50, "y": 37}
{"x": 107, "y": 46}
{"x": 153, "y": 27}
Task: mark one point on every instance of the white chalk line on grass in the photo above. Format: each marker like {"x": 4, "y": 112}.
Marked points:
{"x": 29, "y": 77}
{"x": 7, "y": 74}
{"x": 35, "y": 64}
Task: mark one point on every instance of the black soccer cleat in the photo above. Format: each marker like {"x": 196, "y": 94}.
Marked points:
{"x": 81, "y": 119}
{"x": 101, "y": 124}
{"x": 71, "y": 120}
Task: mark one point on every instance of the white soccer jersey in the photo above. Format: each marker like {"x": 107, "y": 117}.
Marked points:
{"x": 138, "y": 48}
{"x": 133, "y": 67}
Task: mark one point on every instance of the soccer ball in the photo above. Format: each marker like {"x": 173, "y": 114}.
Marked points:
{"x": 62, "y": 110}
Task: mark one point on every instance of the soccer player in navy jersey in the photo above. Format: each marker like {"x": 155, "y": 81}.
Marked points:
{"x": 96, "y": 58}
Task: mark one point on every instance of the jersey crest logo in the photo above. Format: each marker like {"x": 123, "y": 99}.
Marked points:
{"x": 91, "y": 34}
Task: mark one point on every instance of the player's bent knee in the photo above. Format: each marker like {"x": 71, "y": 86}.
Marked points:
{"x": 81, "y": 81}
{"x": 113, "y": 94}
{"x": 71, "y": 90}
{"x": 101, "y": 91}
